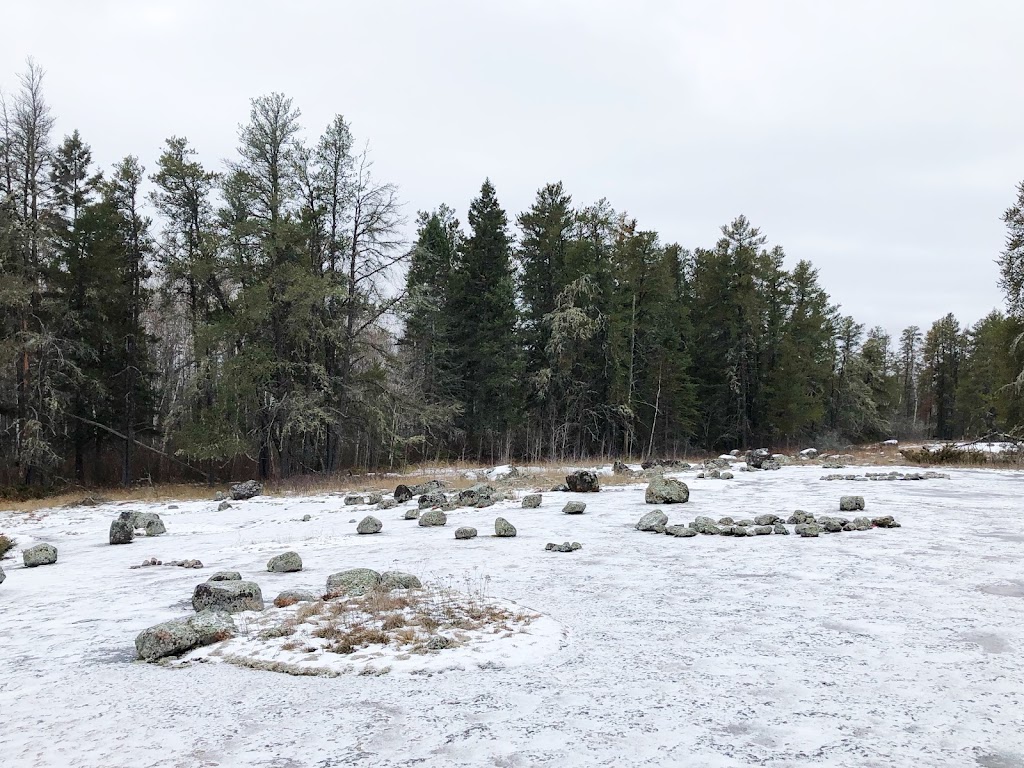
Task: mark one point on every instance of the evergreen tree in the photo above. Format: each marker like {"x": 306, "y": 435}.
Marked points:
{"x": 943, "y": 351}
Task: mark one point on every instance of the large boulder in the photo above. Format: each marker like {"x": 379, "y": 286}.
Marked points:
{"x": 758, "y": 457}
{"x": 246, "y": 490}
{"x": 503, "y": 528}
{"x": 228, "y": 596}
{"x": 666, "y": 490}
{"x": 289, "y": 562}
{"x": 653, "y": 522}
{"x": 122, "y": 530}
{"x": 809, "y": 453}
{"x": 173, "y": 638}
{"x": 40, "y": 554}
{"x": 403, "y": 494}
{"x": 574, "y": 508}
{"x": 851, "y": 503}
{"x": 465, "y": 532}
{"x": 583, "y": 481}
{"x": 399, "y": 580}
{"x": 433, "y": 517}
{"x": 355, "y": 581}
{"x": 531, "y": 501}
{"x": 431, "y": 499}
{"x": 369, "y": 524}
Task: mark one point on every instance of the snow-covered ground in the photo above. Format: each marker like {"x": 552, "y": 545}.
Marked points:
{"x": 889, "y": 647}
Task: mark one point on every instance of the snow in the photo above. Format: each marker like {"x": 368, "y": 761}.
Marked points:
{"x": 983, "y": 447}
{"x": 883, "y": 648}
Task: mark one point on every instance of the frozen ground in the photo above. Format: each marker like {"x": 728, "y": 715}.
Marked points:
{"x": 897, "y": 647}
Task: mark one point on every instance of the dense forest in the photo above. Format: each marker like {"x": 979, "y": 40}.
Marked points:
{"x": 170, "y": 319}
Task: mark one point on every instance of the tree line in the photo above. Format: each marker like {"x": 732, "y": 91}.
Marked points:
{"x": 266, "y": 318}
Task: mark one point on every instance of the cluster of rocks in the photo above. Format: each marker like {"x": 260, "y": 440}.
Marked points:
{"x": 714, "y": 473}
{"x": 563, "y": 547}
{"x": 677, "y": 465}
{"x": 122, "y": 529}
{"x": 837, "y": 461}
{"x": 359, "y": 581}
{"x": 889, "y": 476}
{"x": 149, "y": 562}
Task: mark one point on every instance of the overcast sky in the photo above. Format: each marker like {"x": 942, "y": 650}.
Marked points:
{"x": 880, "y": 140}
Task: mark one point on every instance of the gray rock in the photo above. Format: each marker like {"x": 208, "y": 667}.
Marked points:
{"x": 706, "y": 526}
{"x": 412, "y": 514}
{"x": 140, "y": 519}
{"x": 860, "y": 524}
{"x": 744, "y": 522}
{"x": 666, "y": 490}
{"x": 742, "y": 530}
{"x": 564, "y": 547}
{"x": 387, "y": 504}
{"x": 403, "y": 494}
{"x": 219, "y": 496}
{"x": 439, "y": 643}
{"x": 306, "y": 518}
{"x": 726, "y": 521}
{"x": 155, "y": 527}
{"x": 531, "y": 501}
{"x": 428, "y": 487}
{"x": 767, "y": 519}
{"x": 40, "y": 554}
{"x": 619, "y": 468}
{"x": 758, "y": 457}
{"x": 771, "y": 464}
{"x": 2, "y": 575}
{"x": 122, "y": 531}
{"x": 851, "y": 503}
{"x": 399, "y": 580}
{"x": 433, "y": 517}
{"x": 226, "y": 576}
{"x": 355, "y": 581}
{"x": 352, "y": 501}
{"x": 289, "y": 562}
{"x": 726, "y": 475}
{"x": 583, "y": 481}
{"x": 574, "y": 508}
{"x": 560, "y": 488}
{"x": 223, "y": 505}
{"x": 653, "y": 522}
{"x": 465, "y": 532}
{"x": 886, "y": 521}
{"x": 762, "y": 530}
{"x": 680, "y": 531}
{"x": 375, "y": 498}
{"x": 246, "y": 490}
{"x": 178, "y": 636}
{"x": 503, "y": 528}
{"x": 432, "y": 499}
{"x": 781, "y": 530}
{"x": 799, "y": 517}
{"x": 712, "y": 474}
{"x": 474, "y": 495}
{"x": 807, "y": 530}
{"x": 482, "y": 503}
{"x": 369, "y": 524}
{"x": 677, "y": 464}
{"x": 228, "y": 596}
{"x": 292, "y": 596}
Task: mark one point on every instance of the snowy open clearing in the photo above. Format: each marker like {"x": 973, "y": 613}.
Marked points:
{"x": 886, "y": 647}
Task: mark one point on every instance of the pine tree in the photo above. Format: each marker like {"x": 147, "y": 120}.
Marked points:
{"x": 943, "y": 351}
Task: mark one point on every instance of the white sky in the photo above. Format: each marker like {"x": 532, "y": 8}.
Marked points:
{"x": 880, "y": 140}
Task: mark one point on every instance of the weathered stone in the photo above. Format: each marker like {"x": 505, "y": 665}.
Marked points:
{"x": 680, "y": 531}
{"x": 574, "y": 508}
{"x": 2, "y": 575}
{"x": 807, "y": 530}
{"x": 292, "y": 596}
{"x": 403, "y": 494}
{"x": 771, "y": 464}
{"x": 666, "y": 490}
{"x": 352, "y": 501}
{"x": 140, "y": 519}
{"x": 289, "y": 562}
{"x": 677, "y": 464}
{"x": 226, "y": 576}
{"x": 122, "y": 531}
{"x": 178, "y": 636}
{"x": 40, "y": 554}
{"x": 355, "y": 581}
{"x": 885, "y": 521}
{"x": 376, "y": 497}
{"x": 219, "y": 496}
{"x": 809, "y": 453}
{"x": 155, "y": 527}
{"x": 560, "y": 488}
{"x": 726, "y": 475}
{"x": 860, "y": 524}
{"x": 473, "y": 495}
{"x": 851, "y": 503}
{"x": 399, "y": 580}
{"x": 742, "y": 530}
{"x": 712, "y": 474}
{"x": 781, "y": 529}
{"x": 767, "y": 519}
{"x": 799, "y": 517}
{"x": 387, "y": 504}
{"x": 564, "y": 547}
{"x": 531, "y": 501}
{"x": 482, "y": 503}
{"x": 434, "y": 517}
{"x": 465, "y": 532}
{"x": 229, "y": 596}
{"x": 412, "y": 514}
{"x": 246, "y": 490}
{"x": 369, "y": 524}
{"x": 431, "y": 499}
{"x": 619, "y": 468}
{"x": 503, "y": 528}
{"x": 744, "y": 522}
{"x": 726, "y": 521}
{"x": 583, "y": 481}
{"x": 758, "y": 457}
{"x": 653, "y": 522}
{"x": 430, "y": 486}
{"x": 705, "y": 525}
{"x": 306, "y": 518}
{"x": 223, "y": 506}
{"x": 762, "y": 530}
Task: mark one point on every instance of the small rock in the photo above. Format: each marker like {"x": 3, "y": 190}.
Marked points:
{"x": 706, "y": 526}
{"x": 583, "y": 481}
{"x": 289, "y": 562}
{"x": 762, "y": 530}
{"x": 432, "y": 499}
{"x": 402, "y": 494}
{"x": 355, "y": 581}
{"x": 223, "y": 505}
{"x": 767, "y": 520}
{"x": 560, "y": 488}
{"x": 387, "y": 504}
{"x": 744, "y": 522}
{"x": 807, "y": 530}
{"x": 375, "y": 498}
{"x": 433, "y": 517}
{"x": 351, "y": 501}
{"x": 465, "y": 532}
{"x": 742, "y": 530}
{"x": 662, "y": 490}
{"x": 228, "y": 596}
{"x": 860, "y": 524}
{"x": 574, "y": 508}
{"x": 412, "y": 514}
{"x": 653, "y": 522}
{"x": 219, "y": 496}
{"x": 564, "y": 547}
{"x": 726, "y": 475}
{"x": 399, "y": 580}
{"x": 781, "y": 529}
{"x": 306, "y": 518}
{"x": 531, "y": 501}
{"x": 40, "y": 554}
{"x": 293, "y": 596}
{"x": 369, "y": 524}
{"x": 799, "y": 517}
{"x": 155, "y": 527}
{"x": 851, "y": 503}
{"x": 246, "y": 490}
{"x": 726, "y": 521}
{"x": 680, "y": 531}
{"x": 122, "y": 530}
{"x": 225, "y": 576}
{"x": 503, "y": 528}
{"x": 886, "y": 521}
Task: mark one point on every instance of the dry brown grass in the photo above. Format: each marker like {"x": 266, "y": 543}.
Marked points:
{"x": 169, "y": 492}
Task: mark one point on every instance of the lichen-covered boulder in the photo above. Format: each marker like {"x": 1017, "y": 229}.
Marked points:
{"x": 433, "y": 517}
{"x": 227, "y": 596}
{"x": 399, "y": 580}
{"x": 574, "y": 508}
{"x": 428, "y": 487}
{"x": 40, "y": 554}
{"x": 369, "y": 524}
{"x": 726, "y": 475}
{"x": 851, "y": 503}
{"x": 293, "y": 596}
{"x": 412, "y": 514}
{"x": 583, "y": 481}
{"x": 666, "y": 490}
{"x": 742, "y": 530}
{"x": 140, "y": 519}
{"x": 744, "y": 522}
{"x": 376, "y": 497}
{"x": 531, "y": 501}
{"x": 831, "y": 524}
{"x": 680, "y": 531}
{"x": 402, "y": 494}
{"x": 465, "y": 532}
{"x": 247, "y": 490}
{"x": 178, "y": 636}
{"x": 432, "y": 499}
{"x": 226, "y": 576}
{"x": 503, "y": 528}
{"x": 767, "y": 519}
{"x": 122, "y": 530}
{"x": 289, "y": 562}
{"x": 355, "y": 581}
{"x": 653, "y": 522}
